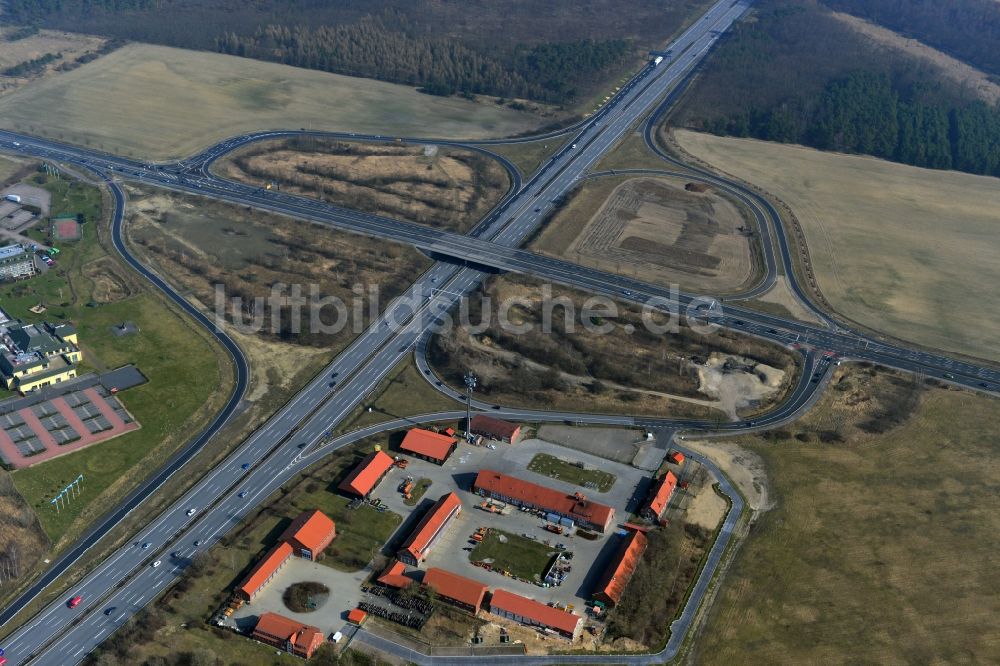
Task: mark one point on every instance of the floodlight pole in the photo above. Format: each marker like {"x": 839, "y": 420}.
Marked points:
{"x": 470, "y": 384}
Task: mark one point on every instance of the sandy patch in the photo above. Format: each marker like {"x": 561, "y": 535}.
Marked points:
{"x": 737, "y": 383}
{"x": 707, "y": 508}
{"x": 742, "y": 467}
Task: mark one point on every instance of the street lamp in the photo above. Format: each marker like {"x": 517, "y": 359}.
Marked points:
{"x": 470, "y": 385}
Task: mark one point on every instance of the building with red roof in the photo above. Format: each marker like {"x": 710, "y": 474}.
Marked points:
{"x": 494, "y": 428}
{"x": 434, "y": 523}
{"x": 429, "y": 445}
{"x": 357, "y": 616}
{"x": 395, "y": 576}
{"x": 309, "y": 534}
{"x": 264, "y": 571}
{"x": 576, "y": 507}
{"x": 535, "y": 614}
{"x": 289, "y": 635}
{"x": 611, "y": 587}
{"x": 659, "y": 497}
{"x": 458, "y": 590}
{"x": 367, "y": 475}
{"x": 676, "y": 457}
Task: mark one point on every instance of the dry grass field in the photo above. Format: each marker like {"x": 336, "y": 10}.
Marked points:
{"x": 43, "y": 43}
{"x": 654, "y": 229}
{"x": 907, "y": 251}
{"x": 881, "y": 548}
{"x": 161, "y": 103}
{"x": 200, "y": 243}
{"x": 434, "y": 185}
{"x": 626, "y": 368}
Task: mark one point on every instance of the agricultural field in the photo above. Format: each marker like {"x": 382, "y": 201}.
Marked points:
{"x": 52, "y": 50}
{"x": 613, "y": 363}
{"x": 905, "y": 251}
{"x": 438, "y": 186}
{"x": 160, "y": 103}
{"x": 657, "y": 229}
{"x": 881, "y": 535}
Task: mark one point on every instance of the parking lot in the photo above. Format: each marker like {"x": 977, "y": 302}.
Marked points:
{"x": 345, "y": 592}
{"x": 590, "y": 558}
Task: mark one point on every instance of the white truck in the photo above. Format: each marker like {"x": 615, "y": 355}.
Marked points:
{"x": 657, "y": 60}
{"x": 12, "y": 197}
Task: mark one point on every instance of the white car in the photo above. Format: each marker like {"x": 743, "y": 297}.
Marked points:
{"x": 190, "y": 512}
{"x": 155, "y": 564}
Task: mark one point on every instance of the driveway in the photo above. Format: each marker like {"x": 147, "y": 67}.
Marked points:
{"x": 344, "y": 594}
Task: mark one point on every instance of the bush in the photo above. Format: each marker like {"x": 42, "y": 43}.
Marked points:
{"x": 305, "y": 597}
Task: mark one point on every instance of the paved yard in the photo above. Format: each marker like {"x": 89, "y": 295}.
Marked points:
{"x": 590, "y": 558}
{"x": 618, "y": 444}
{"x": 344, "y": 595}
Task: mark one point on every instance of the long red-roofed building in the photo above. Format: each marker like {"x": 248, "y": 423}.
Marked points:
{"x": 434, "y": 523}
{"x": 494, "y": 428}
{"x": 289, "y": 635}
{"x": 457, "y": 590}
{"x": 431, "y": 446}
{"x": 264, "y": 571}
{"x": 367, "y": 475}
{"x": 611, "y": 587}
{"x": 524, "y": 493}
{"x": 536, "y": 614}
{"x": 309, "y": 534}
{"x": 659, "y": 497}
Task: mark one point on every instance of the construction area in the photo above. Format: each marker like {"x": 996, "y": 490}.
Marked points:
{"x": 659, "y": 229}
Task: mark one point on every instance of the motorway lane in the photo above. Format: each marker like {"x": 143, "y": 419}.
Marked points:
{"x": 394, "y": 327}
{"x": 178, "y": 460}
{"x": 29, "y": 641}
{"x": 466, "y": 279}
{"x": 290, "y": 460}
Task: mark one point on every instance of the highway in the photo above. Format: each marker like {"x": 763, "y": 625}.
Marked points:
{"x": 297, "y": 435}
{"x": 319, "y": 406}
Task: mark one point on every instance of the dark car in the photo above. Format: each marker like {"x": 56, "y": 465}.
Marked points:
{"x": 740, "y": 322}
{"x": 109, "y": 611}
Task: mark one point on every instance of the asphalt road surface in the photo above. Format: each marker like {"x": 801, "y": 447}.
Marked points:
{"x": 298, "y": 434}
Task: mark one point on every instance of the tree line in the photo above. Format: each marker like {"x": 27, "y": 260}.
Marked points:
{"x": 470, "y": 49}
{"x": 374, "y": 48}
{"x": 798, "y": 75}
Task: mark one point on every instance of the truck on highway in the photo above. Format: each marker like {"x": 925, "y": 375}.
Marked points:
{"x": 13, "y": 197}
{"x": 657, "y": 60}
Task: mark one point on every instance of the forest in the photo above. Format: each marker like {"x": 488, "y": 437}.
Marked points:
{"x": 797, "y": 75}
{"x": 557, "y": 51}
{"x": 966, "y": 29}
{"x": 373, "y": 48}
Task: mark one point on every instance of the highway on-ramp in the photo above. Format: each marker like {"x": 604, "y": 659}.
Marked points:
{"x": 299, "y": 432}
